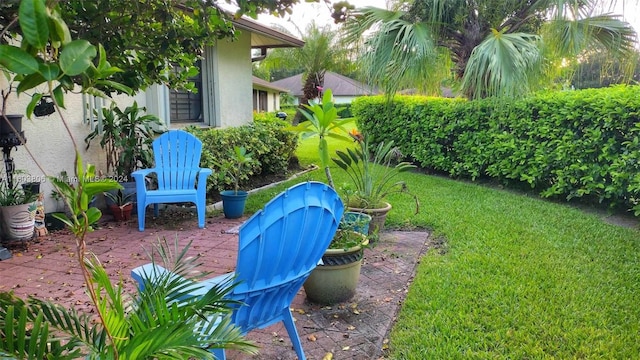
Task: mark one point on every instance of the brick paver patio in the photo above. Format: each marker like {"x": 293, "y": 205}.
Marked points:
{"x": 357, "y": 329}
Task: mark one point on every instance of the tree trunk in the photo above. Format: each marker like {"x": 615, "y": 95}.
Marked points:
{"x": 310, "y": 91}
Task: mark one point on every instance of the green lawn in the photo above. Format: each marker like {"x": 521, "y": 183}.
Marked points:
{"x": 518, "y": 277}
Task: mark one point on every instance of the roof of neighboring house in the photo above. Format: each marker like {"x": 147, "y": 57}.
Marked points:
{"x": 340, "y": 85}
{"x": 264, "y": 37}
{"x": 265, "y": 84}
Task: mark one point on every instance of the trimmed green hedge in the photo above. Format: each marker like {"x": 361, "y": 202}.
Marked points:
{"x": 573, "y": 144}
{"x": 344, "y": 110}
{"x": 267, "y": 139}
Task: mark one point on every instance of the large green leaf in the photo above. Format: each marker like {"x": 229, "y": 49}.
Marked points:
{"x": 503, "y": 64}
{"x": 115, "y": 85}
{"x": 17, "y": 60}
{"x": 33, "y": 22}
{"x": 49, "y": 71}
{"x": 32, "y": 104}
{"x": 30, "y": 81}
{"x": 58, "y": 95}
{"x": 76, "y": 57}
{"x": 58, "y": 29}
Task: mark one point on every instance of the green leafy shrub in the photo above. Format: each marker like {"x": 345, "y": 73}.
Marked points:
{"x": 271, "y": 145}
{"x": 290, "y": 111}
{"x": 270, "y": 116}
{"x": 344, "y": 110}
{"x": 573, "y": 144}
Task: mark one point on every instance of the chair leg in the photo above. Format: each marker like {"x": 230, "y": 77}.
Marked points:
{"x": 202, "y": 209}
{"x": 219, "y": 354}
{"x": 156, "y": 212}
{"x": 287, "y": 318}
{"x": 141, "y": 213}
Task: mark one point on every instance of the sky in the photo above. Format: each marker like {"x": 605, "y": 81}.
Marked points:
{"x": 304, "y": 13}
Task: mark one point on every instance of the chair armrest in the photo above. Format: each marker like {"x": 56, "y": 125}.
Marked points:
{"x": 205, "y": 172}
{"x": 202, "y": 177}
{"x": 138, "y": 176}
{"x": 149, "y": 274}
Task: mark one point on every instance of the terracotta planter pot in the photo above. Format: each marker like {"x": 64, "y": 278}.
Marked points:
{"x": 121, "y": 213}
{"x": 378, "y": 217}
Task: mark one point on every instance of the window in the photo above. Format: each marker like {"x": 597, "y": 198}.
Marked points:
{"x": 259, "y": 100}
{"x": 186, "y": 106}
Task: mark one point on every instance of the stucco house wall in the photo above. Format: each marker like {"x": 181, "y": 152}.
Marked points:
{"x": 226, "y": 99}
{"x": 49, "y": 142}
{"x": 233, "y": 81}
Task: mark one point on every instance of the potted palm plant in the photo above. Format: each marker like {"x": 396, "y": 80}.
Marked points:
{"x": 373, "y": 172}
{"x": 126, "y": 137}
{"x": 323, "y": 122}
{"x": 122, "y": 204}
{"x": 336, "y": 277}
{"x": 234, "y": 168}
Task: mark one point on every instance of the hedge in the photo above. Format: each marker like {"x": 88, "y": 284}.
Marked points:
{"x": 344, "y": 110}
{"x": 572, "y": 144}
{"x": 267, "y": 139}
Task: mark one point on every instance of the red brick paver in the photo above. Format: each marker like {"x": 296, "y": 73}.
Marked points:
{"x": 356, "y": 329}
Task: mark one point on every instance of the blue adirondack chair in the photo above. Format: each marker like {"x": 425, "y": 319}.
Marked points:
{"x": 180, "y": 178}
{"x": 278, "y": 248}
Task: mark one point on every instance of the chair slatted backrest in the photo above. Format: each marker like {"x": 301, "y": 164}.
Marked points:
{"x": 280, "y": 246}
{"x": 177, "y": 160}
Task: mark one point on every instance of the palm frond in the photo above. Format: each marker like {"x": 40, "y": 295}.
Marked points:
{"x": 400, "y": 54}
{"x": 503, "y": 65}
{"x": 25, "y": 331}
{"x": 572, "y": 37}
{"x": 175, "y": 315}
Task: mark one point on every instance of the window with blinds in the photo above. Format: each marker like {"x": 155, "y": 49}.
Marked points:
{"x": 186, "y": 106}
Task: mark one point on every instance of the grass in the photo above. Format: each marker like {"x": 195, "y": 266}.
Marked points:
{"x": 518, "y": 277}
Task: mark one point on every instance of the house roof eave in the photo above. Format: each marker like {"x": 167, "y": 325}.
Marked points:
{"x": 263, "y": 37}
{"x": 260, "y": 83}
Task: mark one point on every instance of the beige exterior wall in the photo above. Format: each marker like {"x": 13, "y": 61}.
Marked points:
{"x": 274, "y": 102}
{"x": 50, "y": 144}
{"x": 233, "y": 81}
{"x": 273, "y": 98}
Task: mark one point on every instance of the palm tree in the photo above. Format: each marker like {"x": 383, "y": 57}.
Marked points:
{"x": 322, "y": 51}
{"x": 490, "y": 47}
